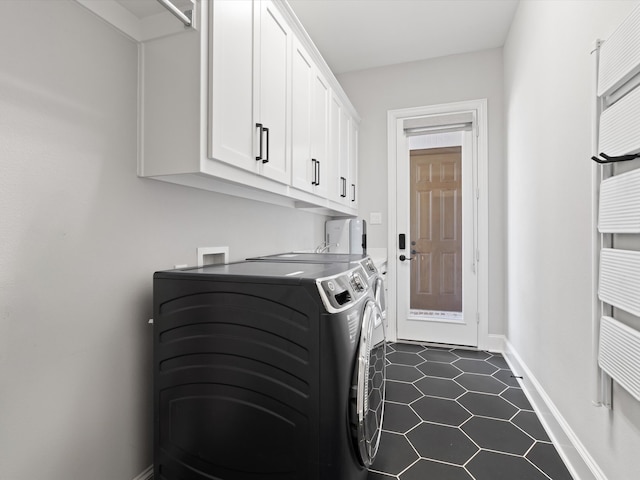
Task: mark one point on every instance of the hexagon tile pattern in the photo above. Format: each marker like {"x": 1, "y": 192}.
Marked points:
{"x": 454, "y": 414}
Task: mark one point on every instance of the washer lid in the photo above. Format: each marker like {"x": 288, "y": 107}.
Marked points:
{"x": 250, "y": 271}
{"x": 312, "y": 257}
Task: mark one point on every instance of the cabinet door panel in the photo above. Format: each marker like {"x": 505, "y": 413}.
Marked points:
{"x": 303, "y": 174}
{"x": 343, "y": 158}
{"x": 275, "y": 38}
{"x": 335, "y": 182}
{"x": 353, "y": 165}
{"x": 320, "y": 132}
{"x": 231, "y": 132}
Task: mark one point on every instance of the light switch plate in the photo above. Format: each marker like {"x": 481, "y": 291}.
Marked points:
{"x": 375, "y": 218}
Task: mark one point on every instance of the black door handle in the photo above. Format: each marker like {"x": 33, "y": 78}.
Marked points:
{"x": 403, "y": 258}
{"x": 315, "y": 172}
{"x": 259, "y": 127}
{"x": 266, "y": 160}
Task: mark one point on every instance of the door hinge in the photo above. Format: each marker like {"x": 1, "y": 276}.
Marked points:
{"x": 477, "y": 254}
{"x": 478, "y": 317}
{"x": 477, "y": 193}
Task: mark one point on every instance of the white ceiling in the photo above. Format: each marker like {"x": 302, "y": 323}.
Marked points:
{"x": 360, "y": 34}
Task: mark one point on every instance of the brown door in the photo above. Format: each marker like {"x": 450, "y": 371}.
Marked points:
{"x": 436, "y": 229}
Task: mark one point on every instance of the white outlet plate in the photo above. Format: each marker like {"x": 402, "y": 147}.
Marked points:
{"x": 212, "y": 255}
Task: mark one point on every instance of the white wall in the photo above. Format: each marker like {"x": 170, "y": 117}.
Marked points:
{"x": 80, "y": 237}
{"x": 548, "y": 102}
{"x": 442, "y": 80}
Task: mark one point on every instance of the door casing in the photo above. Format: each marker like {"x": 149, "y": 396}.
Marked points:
{"x": 395, "y": 134}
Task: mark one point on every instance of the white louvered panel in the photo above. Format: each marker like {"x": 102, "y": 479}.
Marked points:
{"x": 619, "y": 354}
{"x": 619, "y": 209}
{"x": 620, "y": 279}
{"x": 620, "y": 55}
{"x": 620, "y": 126}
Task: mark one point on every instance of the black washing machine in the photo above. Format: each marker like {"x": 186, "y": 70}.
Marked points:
{"x": 266, "y": 370}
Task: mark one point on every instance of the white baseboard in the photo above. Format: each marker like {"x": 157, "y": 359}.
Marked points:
{"x": 580, "y": 463}
{"x": 146, "y": 475}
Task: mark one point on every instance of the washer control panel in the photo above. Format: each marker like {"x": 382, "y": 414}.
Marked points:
{"x": 342, "y": 291}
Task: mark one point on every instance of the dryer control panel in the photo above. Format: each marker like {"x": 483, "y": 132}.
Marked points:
{"x": 340, "y": 292}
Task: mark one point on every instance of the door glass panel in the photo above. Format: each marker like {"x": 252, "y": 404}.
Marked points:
{"x": 436, "y": 233}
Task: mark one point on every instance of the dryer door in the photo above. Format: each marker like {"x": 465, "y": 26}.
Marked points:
{"x": 370, "y": 378}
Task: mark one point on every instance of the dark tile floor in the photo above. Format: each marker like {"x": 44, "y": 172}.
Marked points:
{"x": 459, "y": 415}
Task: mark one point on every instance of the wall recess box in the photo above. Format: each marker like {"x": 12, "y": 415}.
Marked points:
{"x": 212, "y": 256}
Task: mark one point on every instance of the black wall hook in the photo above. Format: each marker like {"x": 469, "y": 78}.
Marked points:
{"x": 621, "y": 158}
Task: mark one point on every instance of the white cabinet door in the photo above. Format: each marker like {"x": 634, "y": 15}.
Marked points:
{"x": 336, "y": 184}
{"x": 231, "y": 73}
{"x": 320, "y": 134}
{"x": 353, "y": 165}
{"x": 343, "y": 152}
{"x": 273, "y": 43}
{"x": 309, "y": 129}
{"x": 303, "y": 167}
{"x": 343, "y": 158}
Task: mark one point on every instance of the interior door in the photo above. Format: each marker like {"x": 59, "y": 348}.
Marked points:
{"x": 437, "y": 281}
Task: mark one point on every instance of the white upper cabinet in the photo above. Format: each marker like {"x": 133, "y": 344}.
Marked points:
{"x": 309, "y": 118}
{"x": 249, "y": 85}
{"x": 231, "y": 79}
{"x": 343, "y": 157}
{"x": 303, "y": 165}
{"x": 272, "y": 91}
{"x": 353, "y": 165}
{"x": 336, "y": 184}
{"x": 320, "y": 134}
{"x": 339, "y": 149}
{"x": 244, "y": 104}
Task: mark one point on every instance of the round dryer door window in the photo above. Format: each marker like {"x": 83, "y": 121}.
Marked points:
{"x": 370, "y": 378}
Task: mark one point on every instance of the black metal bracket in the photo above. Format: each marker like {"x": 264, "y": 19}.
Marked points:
{"x": 621, "y": 158}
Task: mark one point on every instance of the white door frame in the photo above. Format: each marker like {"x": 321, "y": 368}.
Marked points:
{"x": 395, "y": 119}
